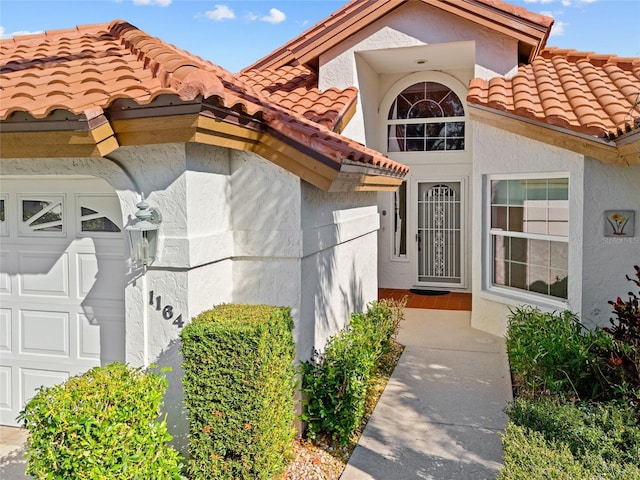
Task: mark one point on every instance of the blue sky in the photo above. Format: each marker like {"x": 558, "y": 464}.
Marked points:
{"x": 235, "y": 33}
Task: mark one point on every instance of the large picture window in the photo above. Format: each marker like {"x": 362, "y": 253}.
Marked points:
{"x": 426, "y": 116}
{"x": 529, "y": 234}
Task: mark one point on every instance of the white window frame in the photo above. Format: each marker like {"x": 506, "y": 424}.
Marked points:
{"x": 512, "y": 295}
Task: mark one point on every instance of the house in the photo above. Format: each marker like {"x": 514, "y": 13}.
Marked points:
{"x": 247, "y": 202}
{"x": 519, "y": 152}
{"x": 288, "y": 183}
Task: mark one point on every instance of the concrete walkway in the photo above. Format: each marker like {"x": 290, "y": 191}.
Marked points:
{"x": 12, "y": 462}
{"x": 441, "y": 413}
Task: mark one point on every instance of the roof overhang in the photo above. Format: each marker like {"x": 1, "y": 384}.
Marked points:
{"x": 128, "y": 124}
{"x": 604, "y": 150}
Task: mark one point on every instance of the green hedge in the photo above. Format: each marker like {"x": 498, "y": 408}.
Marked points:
{"x": 335, "y": 382}
{"x": 102, "y": 424}
{"x": 239, "y": 391}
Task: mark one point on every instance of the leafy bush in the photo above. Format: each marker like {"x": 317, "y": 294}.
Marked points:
{"x": 528, "y": 455}
{"x": 239, "y": 391}
{"x": 383, "y": 318}
{"x": 624, "y": 355}
{"x": 552, "y": 353}
{"x": 335, "y": 382}
{"x": 102, "y": 424}
{"x": 608, "y": 429}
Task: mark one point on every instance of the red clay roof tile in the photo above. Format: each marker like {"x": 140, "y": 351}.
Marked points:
{"x": 84, "y": 70}
{"x": 580, "y": 91}
{"x": 295, "y": 88}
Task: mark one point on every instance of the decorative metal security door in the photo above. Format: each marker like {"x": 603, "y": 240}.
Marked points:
{"x": 440, "y": 234}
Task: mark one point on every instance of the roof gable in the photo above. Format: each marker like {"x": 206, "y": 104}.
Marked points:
{"x": 98, "y": 87}
{"x": 530, "y": 29}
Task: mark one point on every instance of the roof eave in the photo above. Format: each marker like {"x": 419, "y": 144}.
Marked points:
{"x": 601, "y": 149}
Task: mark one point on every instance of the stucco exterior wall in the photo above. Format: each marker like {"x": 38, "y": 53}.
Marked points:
{"x": 338, "y": 271}
{"x": 606, "y": 260}
{"x": 500, "y": 152}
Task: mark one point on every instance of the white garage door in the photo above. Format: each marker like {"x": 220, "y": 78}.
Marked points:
{"x": 62, "y": 280}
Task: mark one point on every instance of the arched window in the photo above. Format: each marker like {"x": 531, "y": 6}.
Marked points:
{"x": 425, "y": 117}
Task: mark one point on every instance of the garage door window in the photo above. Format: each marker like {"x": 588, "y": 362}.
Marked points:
{"x": 3, "y": 220}
{"x": 42, "y": 215}
{"x": 93, "y": 221}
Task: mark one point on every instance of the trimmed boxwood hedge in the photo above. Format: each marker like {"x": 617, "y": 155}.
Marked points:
{"x": 239, "y": 391}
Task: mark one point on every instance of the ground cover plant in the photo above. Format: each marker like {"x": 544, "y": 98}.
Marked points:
{"x": 102, "y": 424}
{"x": 576, "y": 412}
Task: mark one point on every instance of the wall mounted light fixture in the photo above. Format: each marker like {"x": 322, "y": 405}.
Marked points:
{"x": 143, "y": 234}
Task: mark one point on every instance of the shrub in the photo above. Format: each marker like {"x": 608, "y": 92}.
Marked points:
{"x": 239, "y": 391}
{"x": 624, "y": 355}
{"x": 335, "y": 382}
{"x": 383, "y": 318}
{"x": 609, "y": 430}
{"x": 102, "y": 424}
{"x": 551, "y": 353}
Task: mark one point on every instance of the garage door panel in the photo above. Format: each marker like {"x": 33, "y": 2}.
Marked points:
{"x": 44, "y": 274}
{"x": 44, "y": 333}
{"x": 95, "y": 334}
{"x": 5, "y": 330}
{"x": 100, "y": 276}
{"x": 5, "y": 388}
{"x": 32, "y": 379}
{"x": 5, "y": 278}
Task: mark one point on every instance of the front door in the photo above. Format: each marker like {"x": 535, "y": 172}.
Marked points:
{"x": 440, "y": 234}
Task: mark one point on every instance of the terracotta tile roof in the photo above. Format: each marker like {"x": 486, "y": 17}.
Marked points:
{"x": 584, "y": 92}
{"x": 528, "y": 28}
{"x": 85, "y": 70}
{"x": 295, "y": 88}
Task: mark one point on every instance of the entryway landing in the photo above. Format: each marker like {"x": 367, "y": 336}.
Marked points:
{"x": 448, "y": 301}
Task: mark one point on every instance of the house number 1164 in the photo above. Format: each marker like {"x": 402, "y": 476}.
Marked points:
{"x": 167, "y": 310}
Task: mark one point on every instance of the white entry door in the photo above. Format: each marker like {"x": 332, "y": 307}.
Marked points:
{"x": 440, "y": 234}
{"x": 62, "y": 280}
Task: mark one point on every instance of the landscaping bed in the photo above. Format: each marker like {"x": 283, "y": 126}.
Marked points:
{"x": 325, "y": 460}
{"x": 576, "y": 413}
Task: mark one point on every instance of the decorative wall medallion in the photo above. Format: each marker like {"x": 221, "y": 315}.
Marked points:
{"x": 619, "y": 223}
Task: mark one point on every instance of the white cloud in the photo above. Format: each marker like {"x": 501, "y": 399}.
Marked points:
{"x": 558, "y": 29}
{"x": 220, "y": 12}
{"x": 4, "y": 35}
{"x": 275, "y": 16}
{"x": 250, "y": 17}
{"x": 160, "y": 3}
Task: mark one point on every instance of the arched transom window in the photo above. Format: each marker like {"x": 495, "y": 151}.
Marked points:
{"x": 426, "y": 116}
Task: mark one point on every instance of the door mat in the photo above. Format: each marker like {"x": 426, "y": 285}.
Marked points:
{"x": 420, "y": 291}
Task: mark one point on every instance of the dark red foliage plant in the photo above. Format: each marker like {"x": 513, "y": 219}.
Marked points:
{"x": 625, "y": 330}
